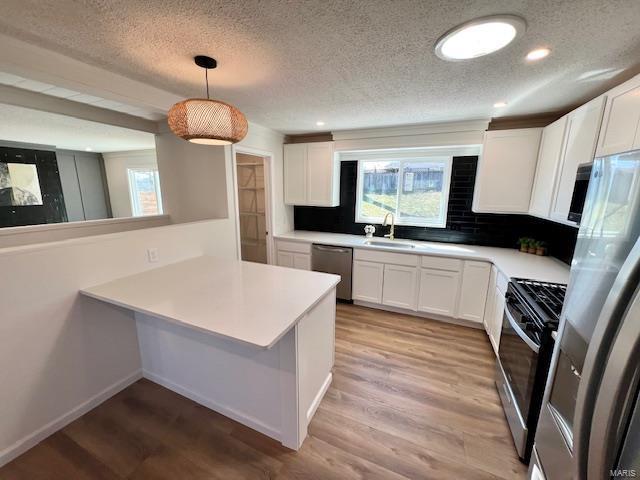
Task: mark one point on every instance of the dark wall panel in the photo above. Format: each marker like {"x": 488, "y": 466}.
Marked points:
{"x": 463, "y": 225}
{"x": 53, "y": 209}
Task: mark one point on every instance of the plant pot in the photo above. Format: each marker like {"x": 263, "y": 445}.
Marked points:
{"x": 541, "y": 251}
{"x": 532, "y": 250}
{"x": 524, "y": 248}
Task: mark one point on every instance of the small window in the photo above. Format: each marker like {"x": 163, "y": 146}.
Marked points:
{"x": 415, "y": 190}
{"x": 144, "y": 188}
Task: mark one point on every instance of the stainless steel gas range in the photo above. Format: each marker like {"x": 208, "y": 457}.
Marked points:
{"x": 531, "y": 315}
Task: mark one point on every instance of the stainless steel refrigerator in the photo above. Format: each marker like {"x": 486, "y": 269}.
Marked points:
{"x": 589, "y": 427}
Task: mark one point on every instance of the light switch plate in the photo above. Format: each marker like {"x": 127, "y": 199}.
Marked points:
{"x": 152, "y": 255}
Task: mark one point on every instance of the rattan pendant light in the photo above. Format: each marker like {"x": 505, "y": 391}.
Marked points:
{"x": 206, "y": 121}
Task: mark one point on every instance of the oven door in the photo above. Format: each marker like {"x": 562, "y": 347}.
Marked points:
{"x": 518, "y": 360}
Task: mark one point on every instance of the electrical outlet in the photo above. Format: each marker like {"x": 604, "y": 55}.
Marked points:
{"x": 152, "y": 255}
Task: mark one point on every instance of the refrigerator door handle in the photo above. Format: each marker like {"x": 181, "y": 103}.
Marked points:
{"x": 603, "y": 337}
{"x": 612, "y": 402}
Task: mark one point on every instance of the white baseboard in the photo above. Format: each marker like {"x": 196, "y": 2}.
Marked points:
{"x": 225, "y": 410}
{"x": 318, "y": 398}
{"x": 431, "y": 316}
{"x": 31, "y": 440}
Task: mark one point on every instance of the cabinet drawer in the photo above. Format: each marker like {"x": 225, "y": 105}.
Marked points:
{"x": 441, "y": 263}
{"x": 386, "y": 257}
{"x": 299, "y": 247}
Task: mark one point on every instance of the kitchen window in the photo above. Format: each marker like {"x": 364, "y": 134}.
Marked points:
{"x": 415, "y": 190}
{"x": 144, "y": 189}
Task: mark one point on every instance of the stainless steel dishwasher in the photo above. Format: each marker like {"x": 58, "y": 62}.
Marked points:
{"x": 337, "y": 260}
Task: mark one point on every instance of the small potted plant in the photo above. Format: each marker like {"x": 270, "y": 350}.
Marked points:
{"x": 524, "y": 244}
{"x": 533, "y": 246}
{"x": 541, "y": 248}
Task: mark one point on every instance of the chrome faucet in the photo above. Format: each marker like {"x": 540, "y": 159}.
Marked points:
{"x": 391, "y": 227}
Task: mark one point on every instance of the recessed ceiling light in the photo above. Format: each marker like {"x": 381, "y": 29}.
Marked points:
{"x": 499, "y": 104}
{"x": 479, "y": 37}
{"x": 320, "y": 123}
{"x": 538, "y": 54}
{"x": 88, "y": 149}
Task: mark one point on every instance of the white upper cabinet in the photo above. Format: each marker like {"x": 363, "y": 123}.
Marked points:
{"x": 321, "y": 174}
{"x": 583, "y": 125}
{"x": 506, "y": 171}
{"x": 549, "y": 159}
{"x": 311, "y": 175}
{"x": 295, "y": 174}
{"x": 621, "y": 124}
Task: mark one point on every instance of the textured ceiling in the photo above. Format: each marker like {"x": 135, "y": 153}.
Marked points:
{"x": 24, "y": 125}
{"x": 352, "y": 64}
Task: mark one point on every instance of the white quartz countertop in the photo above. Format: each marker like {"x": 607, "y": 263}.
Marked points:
{"x": 243, "y": 301}
{"x": 511, "y": 262}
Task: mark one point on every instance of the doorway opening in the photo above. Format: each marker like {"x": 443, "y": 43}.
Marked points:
{"x": 252, "y": 206}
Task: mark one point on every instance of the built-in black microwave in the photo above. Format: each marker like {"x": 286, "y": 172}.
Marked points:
{"x": 580, "y": 192}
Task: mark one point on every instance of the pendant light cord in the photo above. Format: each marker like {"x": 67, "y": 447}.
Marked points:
{"x": 206, "y": 77}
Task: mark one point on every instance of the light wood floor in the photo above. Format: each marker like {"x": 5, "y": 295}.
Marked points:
{"x": 411, "y": 398}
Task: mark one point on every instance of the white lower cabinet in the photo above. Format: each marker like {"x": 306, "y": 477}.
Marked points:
{"x": 438, "y": 291}
{"x": 400, "y": 286}
{"x": 293, "y": 255}
{"x": 473, "y": 293}
{"x": 301, "y": 261}
{"x": 441, "y": 286}
{"x": 495, "y": 322}
{"x": 490, "y": 306}
{"x": 367, "y": 280}
{"x": 494, "y": 308}
{"x": 285, "y": 259}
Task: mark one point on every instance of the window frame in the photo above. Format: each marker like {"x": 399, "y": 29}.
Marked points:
{"x": 446, "y": 185}
{"x": 134, "y": 199}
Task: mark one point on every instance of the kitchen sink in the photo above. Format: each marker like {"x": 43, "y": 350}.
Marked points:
{"x": 389, "y": 244}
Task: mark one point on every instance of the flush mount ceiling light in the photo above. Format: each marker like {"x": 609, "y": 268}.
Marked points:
{"x": 500, "y": 104}
{"x": 320, "y": 123}
{"x": 206, "y": 121}
{"x": 538, "y": 54}
{"x": 479, "y": 37}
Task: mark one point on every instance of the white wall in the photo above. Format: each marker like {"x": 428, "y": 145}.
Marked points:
{"x": 62, "y": 353}
{"x": 267, "y": 140}
{"x": 193, "y": 178}
{"x": 116, "y": 165}
{"x": 408, "y": 136}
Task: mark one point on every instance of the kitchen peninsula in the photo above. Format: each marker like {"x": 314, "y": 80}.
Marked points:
{"x": 253, "y": 342}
